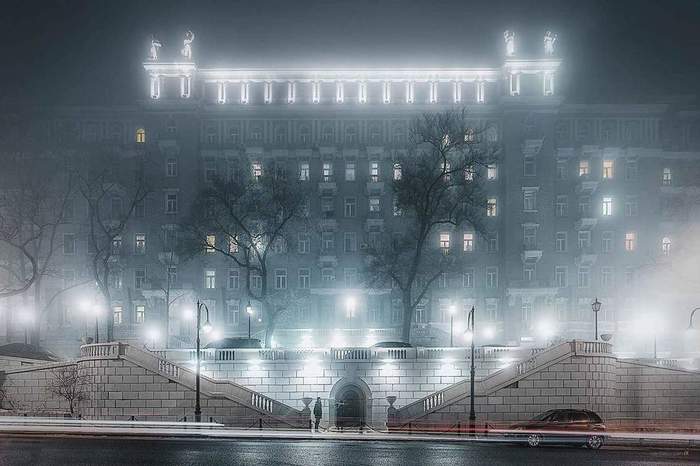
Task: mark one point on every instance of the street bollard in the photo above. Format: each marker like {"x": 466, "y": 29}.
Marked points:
{"x": 211, "y": 419}
{"x": 459, "y": 429}
{"x": 311, "y": 426}
{"x": 409, "y": 428}
{"x": 260, "y": 423}
{"x": 185, "y": 418}
{"x": 132, "y": 418}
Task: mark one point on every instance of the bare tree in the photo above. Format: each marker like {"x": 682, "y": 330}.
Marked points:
{"x": 33, "y": 209}
{"x": 247, "y": 218}
{"x": 70, "y": 384}
{"x": 436, "y": 185}
{"x": 114, "y": 188}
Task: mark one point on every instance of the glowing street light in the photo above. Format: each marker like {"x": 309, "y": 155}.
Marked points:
{"x": 595, "y": 306}
{"x": 206, "y": 327}
{"x": 153, "y": 334}
{"x": 26, "y": 318}
{"x": 350, "y": 306}
{"x": 471, "y": 334}
{"x": 249, "y": 311}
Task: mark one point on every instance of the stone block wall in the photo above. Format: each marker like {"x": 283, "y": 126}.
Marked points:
{"x": 26, "y": 391}
{"x": 578, "y": 382}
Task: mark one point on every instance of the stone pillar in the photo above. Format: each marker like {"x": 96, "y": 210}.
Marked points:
{"x": 155, "y": 87}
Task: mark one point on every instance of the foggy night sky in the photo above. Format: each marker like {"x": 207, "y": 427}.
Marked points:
{"x": 90, "y": 52}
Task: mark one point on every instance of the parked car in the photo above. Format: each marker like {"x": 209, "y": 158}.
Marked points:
{"x": 227, "y": 343}
{"x": 392, "y": 344}
{"x": 562, "y": 426}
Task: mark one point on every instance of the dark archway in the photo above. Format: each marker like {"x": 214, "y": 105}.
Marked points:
{"x": 350, "y": 406}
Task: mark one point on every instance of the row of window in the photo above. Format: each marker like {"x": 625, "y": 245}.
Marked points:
{"x": 607, "y": 170}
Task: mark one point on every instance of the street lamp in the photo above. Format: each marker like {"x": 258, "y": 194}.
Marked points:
{"x": 595, "y": 306}
{"x": 249, "y": 311}
{"x": 471, "y": 334}
{"x": 206, "y": 328}
{"x": 692, "y": 314}
{"x": 451, "y": 309}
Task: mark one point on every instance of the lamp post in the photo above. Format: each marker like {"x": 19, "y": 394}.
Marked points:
{"x": 595, "y": 306}
{"x": 249, "y": 311}
{"x": 471, "y": 331}
{"x": 692, "y": 315}
{"x": 206, "y": 327}
{"x": 452, "y": 324}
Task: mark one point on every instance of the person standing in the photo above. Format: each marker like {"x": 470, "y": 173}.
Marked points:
{"x": 318, "y": 413}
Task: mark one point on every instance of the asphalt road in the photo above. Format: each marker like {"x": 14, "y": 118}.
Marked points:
{"x": 112, "y": 451}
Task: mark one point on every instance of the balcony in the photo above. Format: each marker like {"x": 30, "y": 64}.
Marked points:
{"x": 585, "y": 222}
{"x": 530, "y": 254}
{"x": 586, "y": 186}
{"x": 586, "y": 256}
{"x": 327, "y": 186}
{"x": 375, "y": 187}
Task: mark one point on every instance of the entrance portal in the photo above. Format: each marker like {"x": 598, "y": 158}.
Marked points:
{"x": 350, "y": 407}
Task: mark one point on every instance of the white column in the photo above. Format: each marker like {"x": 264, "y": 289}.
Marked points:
{"x": 155, "y": 87}
{"x": 386, "y": 92}
{"x": 548, "y": 83}
{"x": 185, "y": 86}
{"x": 409, "y": 92}
{"x": 514, "y": 84}
{"x": 267, "y": 92}
{"x": 457, "y": 91}
{"x": 362, "y": 92}
{"x": 315, "y": 92}
{"x": 221, "y": 92}
{"x": 433, "y": 85}
{"x": 339, "y": 92}
{"x": 291, "y": 92}
{"x": 480, "y": 91}
{"x": 245, "y": 87}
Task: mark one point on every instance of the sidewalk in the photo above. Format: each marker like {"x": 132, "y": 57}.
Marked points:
{"x": 59, "y": 427}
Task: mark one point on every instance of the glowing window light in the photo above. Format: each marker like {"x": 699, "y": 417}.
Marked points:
{"x": 433, "y": 85}
{"x": 480, "y": 92}
{"x": 291, "y": 92}
{"x": 409, "y": 92}
{"x": 548, "y": 83}
{"x": 315, "y": 92}
{"x": 666, "y": 246}
{"x": 245, "y": 87}
{"x": 457, "y": 91}
{"x": 362, "y": 92}
{"x": 140, "y": 136}
{"x": 185, "y": 87}
{"x": 339, "y": 92}
{"x": 267, "y": 92}
{"x": 221, "y": 93}
{"x": 386, "y": 92}
{"x": 155, "y": 87}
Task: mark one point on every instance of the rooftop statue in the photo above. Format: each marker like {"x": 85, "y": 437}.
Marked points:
{"x": 549, "y": 39}
{"x": 509, "y": 38}
{"x": 187, "y": 45}
{"x": 155, "y": 45}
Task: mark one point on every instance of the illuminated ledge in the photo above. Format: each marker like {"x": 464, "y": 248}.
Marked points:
{"x": 532, "y": 66}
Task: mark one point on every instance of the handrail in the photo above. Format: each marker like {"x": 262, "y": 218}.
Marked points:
{"x": 502, "y": 377}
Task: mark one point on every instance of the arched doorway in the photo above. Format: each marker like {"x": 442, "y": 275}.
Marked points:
{"x": 350, "y": 406}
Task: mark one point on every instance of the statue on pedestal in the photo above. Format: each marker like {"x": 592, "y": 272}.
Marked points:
{"x": 187, "y": 45}
{"x": 549, "y": 39}
{"x": 155, "y": 45}
{"x": 509, "y": 38}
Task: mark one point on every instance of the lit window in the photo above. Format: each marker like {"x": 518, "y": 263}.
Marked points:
{"x": 607, "y": 169}
{"x": 491, "y": 207}
{"x": 140, "y": 136}
{"x": 630, "y": 241}
{"x": 374, "y": 205}
{"x": 607, "y": 206}
{"x": 210, "y": 279}
{"x": 583, "y": 168}
{"x": 140, "y": 243}
{"x": 469, "y": 173}
{"x": 666, "y": 178}
{"x": 374, "y": 171}
{"x": 257, "y": 170}
{"x": 666, "y": 246}
{"x": 492, "y": 172}
{"x": 140, "y": 313}
{"x": 211, "y": 244}
{"x": 118, "y": 315}
{"x": 304, "y": 171}
{"x": 468, "y": 245}
{"x": 469, "y": 135}
{"x": 445, "y": 241}
{"x": 327, "y": 171}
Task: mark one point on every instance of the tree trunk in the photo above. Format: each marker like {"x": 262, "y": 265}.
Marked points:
{"x": 407, "y": 316}
{"x": 36, "y": 321}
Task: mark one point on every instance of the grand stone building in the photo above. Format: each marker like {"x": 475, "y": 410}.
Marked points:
{"x": 586, "y": 201}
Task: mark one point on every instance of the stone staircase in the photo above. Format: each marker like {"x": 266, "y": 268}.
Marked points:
{"x": 500, "y": 379}
{"x": 209, "y": 386}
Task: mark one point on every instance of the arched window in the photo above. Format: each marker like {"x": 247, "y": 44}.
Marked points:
{"x": 140, "y": 136}
{"x": 666, "y": 246}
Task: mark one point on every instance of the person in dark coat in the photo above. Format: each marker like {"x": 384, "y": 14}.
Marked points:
{"x": 318, "y": 413}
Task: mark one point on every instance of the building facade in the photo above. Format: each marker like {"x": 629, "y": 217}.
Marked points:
{"x": 585, "y": 201}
